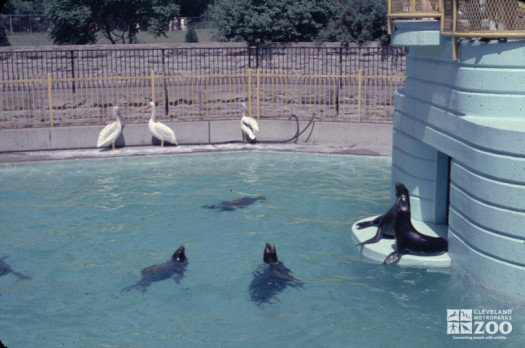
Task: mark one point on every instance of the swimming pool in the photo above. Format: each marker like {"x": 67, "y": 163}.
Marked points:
{"x": 83, "y": 230}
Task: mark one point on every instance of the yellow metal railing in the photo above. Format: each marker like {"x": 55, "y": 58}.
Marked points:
{"x": 48, "y": 102}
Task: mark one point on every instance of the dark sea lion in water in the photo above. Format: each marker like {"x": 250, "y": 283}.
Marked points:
{"x": 271, "y": 278}
{"x": 408, "y": 239}
{"x": 174, "y": 268}
{"x": 385, "y": 222}
{"x": 236, "y": 204}
{"x": 5, "y": 269}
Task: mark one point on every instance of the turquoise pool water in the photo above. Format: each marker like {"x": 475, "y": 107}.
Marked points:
{"x": 83, "y": 230}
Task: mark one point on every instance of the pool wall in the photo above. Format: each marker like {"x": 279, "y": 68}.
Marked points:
{"x": 374, "y": 135}
{"x": 459, "y": 147}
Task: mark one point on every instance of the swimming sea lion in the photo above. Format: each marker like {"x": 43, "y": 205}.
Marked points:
{"x": 408, "y": 239}
{"x": 271, "y": 278}
{"x": 174, "y": 268}
{"x": 385, "y": 222}
{"x": 236, "y": 204}
{"x": 6, "y": 269}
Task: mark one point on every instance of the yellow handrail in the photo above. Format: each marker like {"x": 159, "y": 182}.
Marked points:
{"x": 48, "y": 102}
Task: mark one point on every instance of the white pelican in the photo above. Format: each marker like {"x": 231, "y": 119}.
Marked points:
{"x": 248, "y": 125}
{"x": 160, "y": 130}
{"x": 111, "y": 132}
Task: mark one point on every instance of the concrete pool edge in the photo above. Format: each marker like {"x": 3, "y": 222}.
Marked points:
{"x": 37, "y": 144}
{"x": 30, "y": 156}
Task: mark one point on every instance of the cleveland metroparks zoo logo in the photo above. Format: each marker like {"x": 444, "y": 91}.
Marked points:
{"x": 479, "y": 324}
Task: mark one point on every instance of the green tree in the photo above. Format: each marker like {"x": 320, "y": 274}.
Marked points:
{"x": 192, "y": 8}
{"x": 357, "y": 21}
{"x": 73, "y": 22}
{"x": 80, "y": 21}
{"x": 267, "y": 21}
{"x": 22, "y": 7}
{"x": 191, "y": 35}
{"x": 4, "y": 40}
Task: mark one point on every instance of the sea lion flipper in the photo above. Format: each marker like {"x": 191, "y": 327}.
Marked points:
{"x": 127, "y": 288}
{"x": 284, "y": 275}
{"x": 374, "y": 239}
{"x": 21, "y": 276}
{"x": 137, "y": 286}
{"x": 370, "y": 223}
{"x": 393, "y": 257}
{"x": 177, "y": 277}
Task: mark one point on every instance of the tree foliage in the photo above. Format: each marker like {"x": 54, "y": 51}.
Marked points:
{"x": 21, "y": 6}
{"x": 80, "y": 21}
{"x": 191, "y": 35}
{"x": 73, "y": 22}
{"x": 267, "y": 21}
{"x": 357, "y": 21}
{"x": 4, "y": 40}
{"x": 193, "y": 8}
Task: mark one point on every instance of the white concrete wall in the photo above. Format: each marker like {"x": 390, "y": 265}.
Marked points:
{"x": 202, "y": 132}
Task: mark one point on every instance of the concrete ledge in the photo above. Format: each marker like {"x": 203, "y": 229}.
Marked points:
{"x": 372, "y": 139}
{"x": 380, "y": 250}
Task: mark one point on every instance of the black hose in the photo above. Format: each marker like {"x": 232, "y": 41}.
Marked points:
{"x": 294, "y": 138}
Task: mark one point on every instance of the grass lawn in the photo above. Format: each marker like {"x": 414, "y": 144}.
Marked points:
{"x": 37, "y": 39}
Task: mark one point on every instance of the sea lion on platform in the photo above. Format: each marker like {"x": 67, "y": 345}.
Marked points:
{"x": 271, "y": 278}
{"x": 385, "y": 222}
{"x": 236, "y": 204}
{"x": 174, "y": 268}
{"x": 5, "y": 269}
{"x": 408, "y": 239}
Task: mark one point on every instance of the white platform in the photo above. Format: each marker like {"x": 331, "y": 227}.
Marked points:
{"x": 380, "y": 250}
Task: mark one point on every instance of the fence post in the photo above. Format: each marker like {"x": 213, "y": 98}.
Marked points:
{"x": 72, "y": 70}
{"x": 153, "y": 86}
{"x": 257, "y": 57}
{"x": 50, "y": 99}
{"x": 258, "y": 93}
{"x": 339, "y": 80}
{"x": 249, "y": 92}
{"x": 359, "y": 85}
{"x": 164, "y": 83}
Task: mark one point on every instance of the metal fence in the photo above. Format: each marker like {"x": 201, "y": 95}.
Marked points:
{"x": 65, "y": 87}
{"x": 25, "y": 23}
